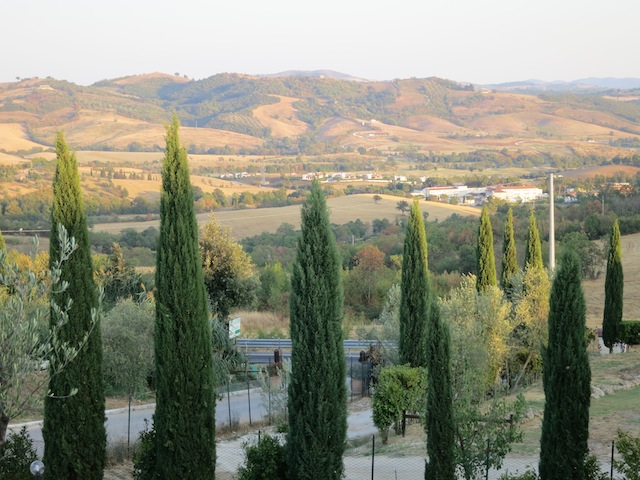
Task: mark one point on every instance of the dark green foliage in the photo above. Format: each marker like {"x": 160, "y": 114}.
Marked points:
{"x": 484, "y": 253}
{"x": 73, "y": 430}
{"x": 566, "y": 379}
{"x": 266, "y": 460}
{"x": 629, "y": 448}
{"x": 184, "y": 419}
{"x": 439, "y": 424}
{"x": 613, "y": 291}
{"x": 144, "y": 458}
{"x": 16, "y": 456}
{"x": 317, "y": 391}
{"x": 630, "y": 332}
{"x": 533, "y": 253}
{"x": 119, "y": 279}
{"x": 509, "y": 257}
{"x": 415, "y": 290}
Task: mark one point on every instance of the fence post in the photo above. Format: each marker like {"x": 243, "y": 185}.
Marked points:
{"x": 351, "y": 375}
{"x": 613, "y": 446}
{"x": 246, "y": 375}
{"x": 229, "y": 402}
{"x": 373, "y": 455}
{"x": 486, "y": 473}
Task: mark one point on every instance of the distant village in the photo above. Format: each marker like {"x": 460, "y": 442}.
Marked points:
{"x": 456, "y": 193}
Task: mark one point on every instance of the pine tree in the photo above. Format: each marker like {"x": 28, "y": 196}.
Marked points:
{"x": 184, "y": 419}
{"x": 484, "y": 253}
{"x": 566, "y": 378}
{"x": 509, "y": 257}
{"x": 613, "y": 291}
{"x": 74, "y": 431}
{"x": 414, "y": 291}
{"x": 317, "y": 391}
{"x": 533, "y": 253}
{"x": 439, "y": 424}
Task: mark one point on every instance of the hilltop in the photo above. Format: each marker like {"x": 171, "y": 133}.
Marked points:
{"x": 318, "y": 112}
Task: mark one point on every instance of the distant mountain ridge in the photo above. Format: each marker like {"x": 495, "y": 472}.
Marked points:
{"x": 591, "y": 83}
{"x": 315, "y": 74}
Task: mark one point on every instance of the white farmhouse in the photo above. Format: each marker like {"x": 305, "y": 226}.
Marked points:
{"x": 522, "y": 194}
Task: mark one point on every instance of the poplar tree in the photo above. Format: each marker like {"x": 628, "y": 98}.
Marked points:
{"x": 74, "y": 431}
{"x": 484, "y": 253}
{"x": 566, "y": 378}
{"x": 509, "y": 257}
{"x": 317, "y": 390}
{"x": 414, "y": 292}
{"x": 533, "y": 253}
{"x": 439, "y": 424}
{"x": 184, "y": 419}
{"x": 613, "y": 290}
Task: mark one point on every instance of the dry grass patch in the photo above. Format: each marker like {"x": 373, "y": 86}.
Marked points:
{"x": 281, "y": 118}
{"x": 14, "y": 137}
{"x": 594, "y": 289}
{"x": 250, "y": 222}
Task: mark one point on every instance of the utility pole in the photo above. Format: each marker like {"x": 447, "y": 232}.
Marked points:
{"x": 552, "y": 232}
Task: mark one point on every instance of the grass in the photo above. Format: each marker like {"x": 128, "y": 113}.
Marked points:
{"x": 249, "y": 222}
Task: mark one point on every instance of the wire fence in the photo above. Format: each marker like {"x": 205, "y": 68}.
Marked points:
{"x": 367, "y": 458}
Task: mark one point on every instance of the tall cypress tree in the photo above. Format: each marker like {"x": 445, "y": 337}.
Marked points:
{"x": 566, "y": 378}
{"x": 439, "y": 424}
{"x": 414, "y": 292}
{"x": 533, "y": 253}
{"x": 484, "y": 253}
{"x": 185, "y": 401}
{"x": 317, "y": 390}
{"x": 613, "y": 290}
{"x": 509, "y": 257}
{"x": 74, "y": 431}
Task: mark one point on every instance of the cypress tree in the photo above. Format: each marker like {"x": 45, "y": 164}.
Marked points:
{"x": 509, "y": 257}
{"x": 317, "y": 390}
{"x": 74, "y": 431}
{"x": 566, "y": 379}
{"x": 184, "y": 419}
{"x": 484, "y": 253}
{"x": 414, "y": 292}
{"x": 439, "y": 424}
{"x": 613, "y": 290}
{"x": 533, "y": 253}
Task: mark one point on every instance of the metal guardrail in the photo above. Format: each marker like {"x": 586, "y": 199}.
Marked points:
{"x": 285, "y": 343}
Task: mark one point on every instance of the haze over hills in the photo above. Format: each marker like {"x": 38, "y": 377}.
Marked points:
{"x": 322, "y": 111}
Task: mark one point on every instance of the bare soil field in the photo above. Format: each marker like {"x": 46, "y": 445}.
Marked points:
{"x": 594, "y": 289}
{"x": 605, "y": 170}
{"x": 249, "y": 222}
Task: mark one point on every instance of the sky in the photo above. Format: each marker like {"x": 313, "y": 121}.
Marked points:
{"x": 477, "y": 41}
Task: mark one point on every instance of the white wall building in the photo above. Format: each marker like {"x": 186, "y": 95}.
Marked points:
{"x": 522, "y": 194}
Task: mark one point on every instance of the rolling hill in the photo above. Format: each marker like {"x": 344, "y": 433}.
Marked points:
{"x": 291, "y": 114}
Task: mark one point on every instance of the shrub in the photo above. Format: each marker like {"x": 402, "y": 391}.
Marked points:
{"x": 144, "y": 459}
{"x": 17, "y": 456}
{"x": 629, "y": 448}
{"x": 630, "y": 332}
{"x": 265, "y": 460}
{"x": 399, "y": 388}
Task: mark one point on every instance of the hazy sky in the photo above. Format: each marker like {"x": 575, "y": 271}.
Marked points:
{"x": 477, "y": 41}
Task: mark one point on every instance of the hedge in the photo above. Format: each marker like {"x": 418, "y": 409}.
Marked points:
{"x": 630, "y": 332}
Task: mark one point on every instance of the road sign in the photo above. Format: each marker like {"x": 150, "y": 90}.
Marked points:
{"x": 234, "y": 327}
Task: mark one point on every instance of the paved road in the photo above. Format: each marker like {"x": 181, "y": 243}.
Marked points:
{"x": 243, "y": 409}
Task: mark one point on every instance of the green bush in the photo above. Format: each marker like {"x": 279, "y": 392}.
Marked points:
{"x": 399, "y": 388}
{"x": 266, "y": 460}
{"x": 144, "y": 459}
{"x": 629, "y": 448}
{"x": 630, "y": 332}
{"x": 17, "y": 456}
